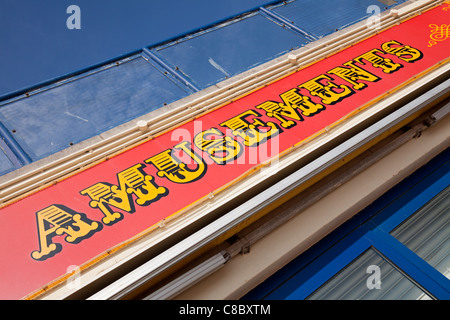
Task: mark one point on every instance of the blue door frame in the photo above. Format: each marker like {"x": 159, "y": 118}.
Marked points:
{"x": 368, "y": 229}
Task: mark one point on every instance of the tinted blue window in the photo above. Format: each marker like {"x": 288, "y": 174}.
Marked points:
{"x": 351, "y": 282}
{"x": 222, "y": 52}
{"x": 51, "y": 120}
{"x": 404, "y": 233}
{"x": 322, "y": 17}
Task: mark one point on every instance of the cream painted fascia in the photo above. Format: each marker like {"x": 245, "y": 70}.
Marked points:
{"x": 244, "y": 272}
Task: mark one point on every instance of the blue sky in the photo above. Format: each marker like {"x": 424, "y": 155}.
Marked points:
{"x": 36, "y": 44}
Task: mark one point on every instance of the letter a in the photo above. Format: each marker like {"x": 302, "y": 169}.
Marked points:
{"x": 74, "y": 21}
{"x": 373, "y": 281}
{"x": 57, "y": 220}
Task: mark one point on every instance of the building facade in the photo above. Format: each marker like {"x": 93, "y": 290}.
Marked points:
{"x": 295, "y": 151}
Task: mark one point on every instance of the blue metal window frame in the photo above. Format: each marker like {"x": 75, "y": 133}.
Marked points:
{"x": 12, "y": 149}
{"x": 368, "y": 229}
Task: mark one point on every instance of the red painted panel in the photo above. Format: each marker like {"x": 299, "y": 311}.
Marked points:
{"x": 83, "y": 217}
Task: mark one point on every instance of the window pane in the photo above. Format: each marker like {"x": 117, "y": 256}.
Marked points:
{"x": 52, "y": 120}
{"x": 369, "y": 277}
{"x": 230, "y": 49}
{"x": 322, "y": 17}
{"x": 427, "y": 232}
{"x": 5, "y": 164}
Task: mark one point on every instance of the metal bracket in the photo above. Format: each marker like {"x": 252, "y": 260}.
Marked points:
{"x": 245, "y": 246}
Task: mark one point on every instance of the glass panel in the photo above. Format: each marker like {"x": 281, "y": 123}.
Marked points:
{"x": 369, "y": 277}
{"x": 322, "y": 17}
{"x": 5, "y": 164}
{"x": 427, "y": 232}
{"x": 215, "y": 55}
{"x": 51, "y": 120}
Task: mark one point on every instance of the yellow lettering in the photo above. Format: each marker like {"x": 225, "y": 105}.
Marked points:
{"x": 387, "y": 65}
{"x": 250, "y": 131}
{"x": 221, "y": 149}
{"x": 292, "y": 101}
{"x": 57, "y": 220}
{"x": 353, "y": 74}
{"x": 170, "y": 167}
{"x": 406, "y": 53}
{"x": 329, "y": 92}
{"x": 131, "y": 181}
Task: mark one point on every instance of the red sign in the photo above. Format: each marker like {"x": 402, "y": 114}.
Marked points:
{"x": 82, "y": 218}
